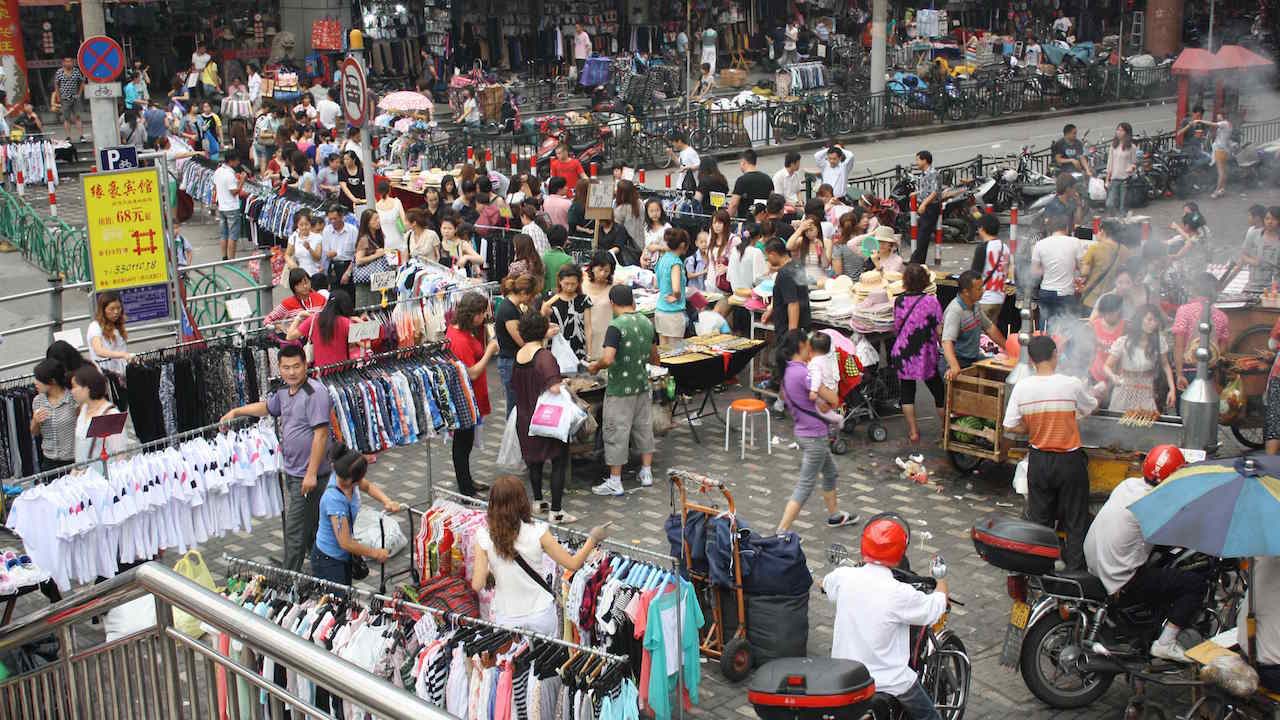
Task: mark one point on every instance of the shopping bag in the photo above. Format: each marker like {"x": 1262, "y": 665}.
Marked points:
{"x": 564, "y": 354}
{"x": 192, "y": 567}
{"x": 1097, "y": 189}
{"x": 555, "y": 416}
{"x": 132, "y": 617}
{"x": 509, "y": 458}
{"x": 389, "y": 537}
{"x": 1020, "y": 477}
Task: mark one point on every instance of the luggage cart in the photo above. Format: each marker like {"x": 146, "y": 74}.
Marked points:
{"x": 734, "y": 654}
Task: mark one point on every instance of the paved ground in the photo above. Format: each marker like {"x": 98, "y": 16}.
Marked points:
{"x": 941, "y": 513}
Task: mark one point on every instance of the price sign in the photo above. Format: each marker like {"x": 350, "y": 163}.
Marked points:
{"x": 239, "y": 309}
{"x": 717, "y": 200}
{"x": 385, "y": 280}
{"x": 364, "y": 331}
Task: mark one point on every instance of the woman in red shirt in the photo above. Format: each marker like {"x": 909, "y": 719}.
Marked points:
{"x": 327, "y": 331}
{"x": 301, "y": 301}
{"x": 466, "y": 340}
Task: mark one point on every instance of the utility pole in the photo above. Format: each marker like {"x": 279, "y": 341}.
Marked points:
{"x": 366, "y": 139}
{"x": 102, "y": 111}
{"x": 879, "y": 43}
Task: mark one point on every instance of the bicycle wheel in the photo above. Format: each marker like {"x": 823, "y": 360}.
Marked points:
{"x": 786, "y": 126}
{"x": 725, "y": 135}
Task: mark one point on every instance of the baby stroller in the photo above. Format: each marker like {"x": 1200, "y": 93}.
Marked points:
{"x": 856, "y": 396}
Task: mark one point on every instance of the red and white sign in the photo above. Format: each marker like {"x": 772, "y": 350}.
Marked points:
{"x": 354, "y": 93}
{"x": 13, "y": 59}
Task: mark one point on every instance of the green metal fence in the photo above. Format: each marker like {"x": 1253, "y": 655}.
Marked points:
{"x": 48, "y": 243}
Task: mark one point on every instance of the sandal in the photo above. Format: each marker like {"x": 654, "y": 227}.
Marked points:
{"x": 841, "y": 518}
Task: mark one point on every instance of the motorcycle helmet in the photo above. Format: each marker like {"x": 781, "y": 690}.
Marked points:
{"x": 1161, "y": 462}
{"x": 884, "y": 542}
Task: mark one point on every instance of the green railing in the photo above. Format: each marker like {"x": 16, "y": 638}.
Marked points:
{"x": 48, "y": 243}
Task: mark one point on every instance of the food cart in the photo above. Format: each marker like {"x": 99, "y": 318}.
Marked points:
{"x": 1250, "y": 317}
{"x": 1114, "y": 443}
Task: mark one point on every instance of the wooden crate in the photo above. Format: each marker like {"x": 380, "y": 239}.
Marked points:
{"x": 980, "y": 391}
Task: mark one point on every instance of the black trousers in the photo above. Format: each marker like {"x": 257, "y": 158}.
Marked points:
{"x": 927, "y": 227}
{"x": 559, "y": 473}
{"x": 907, "y": 391}
{"x": 1180, "y": 591}
{"x": 1058, "y": 496}
{"x": 463, "y": 442}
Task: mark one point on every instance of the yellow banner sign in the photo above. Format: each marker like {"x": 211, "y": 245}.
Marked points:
{"x": 126, "y": 228}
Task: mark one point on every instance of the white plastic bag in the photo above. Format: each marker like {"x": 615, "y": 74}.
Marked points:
{"x": 555, "y": 416}
{"x": 1097, "y": 189}
{"x": 366, "y": 531}
{"x": 131, "y": 617}
{"x": 564, "y": 355}
{"x": 1020, "y": 476}
{"x": 509, "y": 458}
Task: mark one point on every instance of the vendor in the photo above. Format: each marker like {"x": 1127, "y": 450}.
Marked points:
{"x": 1137, "y": 359}
{"x": 886, "y": 257}
{"x": 963, "y": 325}
{"x": 1186, "y": 332}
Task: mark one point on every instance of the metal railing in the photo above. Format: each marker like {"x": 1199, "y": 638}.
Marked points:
{"x": 159, "y": 672}
{"x": 48, "y": 243}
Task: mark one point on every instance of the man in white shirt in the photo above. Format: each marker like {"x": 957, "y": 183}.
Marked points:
{"x": 339, "y": 241}
{"x": 1055, "y": 260}
{"x": 834, "y": 163}
{"x": 353, "y": 144}
{"x": 328, "y": 111}
{"x": 304, "y": 112}
{"x": 255, "y": 87}
{"x": 1117, "y": 554}
{"x": 788, "y": 181}
{"x": 874, "y": 613}
{"x": 227, "y": 182}
{"x": 689, "y": 161}
{"x": 581, "y": 47}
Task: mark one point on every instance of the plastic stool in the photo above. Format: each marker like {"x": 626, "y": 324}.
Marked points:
{"x": 749, "y": 408}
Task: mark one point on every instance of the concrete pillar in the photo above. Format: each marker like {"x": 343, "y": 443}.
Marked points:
{"x": 879, "y": 18}
{"x": 102, "y": 111}
{"x": 1164, "y": 27}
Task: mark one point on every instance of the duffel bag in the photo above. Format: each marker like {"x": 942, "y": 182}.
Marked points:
{"x": 720, "y": 558}
{"x": 695, "y": 533}
{"x": 776, "y": 563}
{"x": 779, "y": 626}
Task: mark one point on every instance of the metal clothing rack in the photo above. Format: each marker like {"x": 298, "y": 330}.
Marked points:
{"x": 144, "y": 447}
{"x": 275, "y": 573}
{"x": 397, "y": 353}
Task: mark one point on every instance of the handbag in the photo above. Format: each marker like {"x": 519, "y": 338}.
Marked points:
{"x": 359, "y": 567}
{"x": 364, "y": 273}
{"x": 450, "y": 593}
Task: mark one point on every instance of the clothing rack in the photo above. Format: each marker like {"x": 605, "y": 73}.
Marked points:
{"x": 144, "y": 447}
{"x": 398, "y": 353}
{"x": 275, "y": 573}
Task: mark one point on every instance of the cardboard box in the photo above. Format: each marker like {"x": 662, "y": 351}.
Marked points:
{"x": 730, "y": 77}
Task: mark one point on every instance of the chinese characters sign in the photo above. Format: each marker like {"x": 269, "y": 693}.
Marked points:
{"x": 126, "y": 229}
{"x": 13, "y": 59}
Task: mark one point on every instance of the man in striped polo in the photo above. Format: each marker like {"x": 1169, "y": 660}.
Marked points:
{"x": 1046, "y": 406}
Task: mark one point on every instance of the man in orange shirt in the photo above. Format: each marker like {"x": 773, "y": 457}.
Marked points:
{"x": 569, "y": 168}
{"x": 1046, "y": 406}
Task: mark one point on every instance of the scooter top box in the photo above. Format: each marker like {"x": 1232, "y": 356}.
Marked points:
{"x": 811, "y": 689}
{"x": 1016, "y": 545}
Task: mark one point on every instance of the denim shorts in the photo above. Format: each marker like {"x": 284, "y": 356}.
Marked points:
{"x": 229, "y": 224}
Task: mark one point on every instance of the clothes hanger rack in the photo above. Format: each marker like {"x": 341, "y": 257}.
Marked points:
{"x": 398, "y": 353}
{"x": 236, "y": 565}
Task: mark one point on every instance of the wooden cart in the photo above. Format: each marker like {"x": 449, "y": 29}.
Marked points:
{"x": 981, "y": 391}
{"x": 1249, "y": 326}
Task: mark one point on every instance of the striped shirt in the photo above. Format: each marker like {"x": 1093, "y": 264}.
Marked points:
{"x": 1050, "y": 405}
{"x": 58, "y": 431}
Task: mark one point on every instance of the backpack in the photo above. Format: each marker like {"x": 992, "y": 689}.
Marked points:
{"x": 450, "y": 593}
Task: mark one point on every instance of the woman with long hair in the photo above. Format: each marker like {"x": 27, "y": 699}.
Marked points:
{"x": 847, "y": 259}
{"x": 1122, "y": 162}
{"x": 448, "y": 191}
{"x": 793, "y": 354}
{"x": 578, "y": 222}
{"x": 1137, "y": 360}
{"x": 628, "y": 211}
{"x": 710, "y": 180}
{"x": 424, "y": 241}
{"x": 335, "y": 545}
{"x": 371, "y": 251}
{"x": 807, "y": 245}
{"x": 655, "y": 233}
{"x": 525, "y": 261}
{"x": 89, "y": 390}
{"x": 466, "y": 336}
{"x": 53, "y": 415}
{"x": 536, "y": 372}
{"x": 526, "y": 187}
{"x": 391, "y": 212}
{"x": 917, "y": 324}
{"x": 456, "y": 249}
{"x": 351, "y": 190}
{"x": 720, "y": 242}
{"x": 327, "y": 331}
{"x": 517, "y": 293}
{"x": 569, "y": 309}
{"x": 108, "y": 338}
{"x": 512, "y": 541}
{"x": 596, "y": 283}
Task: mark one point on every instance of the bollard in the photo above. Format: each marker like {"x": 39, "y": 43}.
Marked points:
{"x": 471, "y": 153}
{"x": 21, "y": 184}
{"x": 55, "y": 304}
{"x": 937, "y": 244}
{"x": 640, "y": 176}
{"x": 515, "y": 164}
{"x": 53, "y": 196}
{"x": 594, "y": 169}
{"x": 668, "y": 181}
{"x": 1097, "y": 224}
{"x": 488, "y": 157}
{"x": 1146, "y": 231}
{"x": 1013, "y": 229}
{"x": 915, "y": 223}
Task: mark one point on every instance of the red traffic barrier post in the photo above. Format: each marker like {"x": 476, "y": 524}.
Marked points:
{"x": 640, "y": 176}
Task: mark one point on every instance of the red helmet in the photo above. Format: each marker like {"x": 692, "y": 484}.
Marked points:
{"x": 884, "y": 542}
{"x": 1161, "y": 462}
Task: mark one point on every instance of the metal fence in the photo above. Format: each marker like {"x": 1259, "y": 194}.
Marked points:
{"x": 48, "y": 243}
{"x": 161, "y": 673}
{"x": 832, "y": 112}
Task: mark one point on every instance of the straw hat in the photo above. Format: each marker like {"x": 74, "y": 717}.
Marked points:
{"x": 840, "y": 285}
{"x": 869, "y": 282}
{"x": 884, "y": 233}
{"x": 876, "y": 302}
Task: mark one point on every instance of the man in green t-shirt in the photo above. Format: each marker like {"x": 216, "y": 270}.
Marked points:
{"x": 555, "y": 257}
{"x": 629, "y": 345}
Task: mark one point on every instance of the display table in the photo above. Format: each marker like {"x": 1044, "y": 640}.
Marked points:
{"x": 699, "y": 364}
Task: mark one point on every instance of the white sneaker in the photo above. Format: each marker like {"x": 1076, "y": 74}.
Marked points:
{"x": 1169, "y": 651}
{"x": 611, "y": 487}
{"x": 561, "y": 518}
{"x": 645, "y": 478}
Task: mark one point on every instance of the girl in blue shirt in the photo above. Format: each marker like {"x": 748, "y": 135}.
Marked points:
{"x": 335, "y": 544}
{"x": 670, "y": 318}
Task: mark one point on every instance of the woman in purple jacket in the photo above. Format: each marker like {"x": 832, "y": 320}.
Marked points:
{"x": 917, "y": 318}
{"x": 793, "y": 354}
